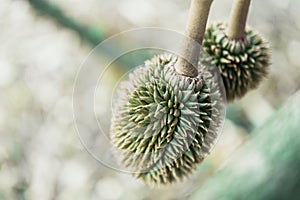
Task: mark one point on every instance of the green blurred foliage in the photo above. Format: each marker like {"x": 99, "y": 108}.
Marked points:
{"x": 267, "y": 167}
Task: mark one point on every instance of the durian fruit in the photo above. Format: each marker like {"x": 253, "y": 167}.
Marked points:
{"x": 242, "y": 63}
{"x": 165, "y": 123}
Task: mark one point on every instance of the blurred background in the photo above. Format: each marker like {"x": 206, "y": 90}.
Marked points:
{"x": 43, "y": 43}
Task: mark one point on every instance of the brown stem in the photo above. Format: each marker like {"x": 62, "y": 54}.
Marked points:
{"x": 238, "y": 18}
{"x": 195, "y": 29}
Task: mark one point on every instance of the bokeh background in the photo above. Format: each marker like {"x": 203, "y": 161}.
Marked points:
{"x": 42, "y": 45}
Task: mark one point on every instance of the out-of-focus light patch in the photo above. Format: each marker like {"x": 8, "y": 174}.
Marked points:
{"x": 294, "y": 52}
{"x": 137, "y": 12}
{"x": 2, "y": 116}
{"x": 166, "y": 10}
{"x": 62, "y": 111}
{"x": 14, "y": 20}
{"x": 253, "y": 163}
{"x": 8, "y": 177}
{"x": 43, "y": 173}
{"x": 129, "y": 181}
{"x": 46, "y": 52}
{"x": 12, "y": 12}
{"x": 49, "y": 138}
{"x": 279, "y": 61}
{"x": 5, "y": 4}
{"x": 103, "y": 95}
{"x": 7, "y": 72}
{"x": 21, "y": 9}
{"x": 216, "y": 12}
{"x": 85, "y": 120}
{"x": 44, "y": 91}
{"x": 259, "y": 112}
{"x": 282, "y": 63}
{"x": 109, "y": 188}
{"x": 74, "y": 195}
{"x": 73, "y": 175}
{"x": 286, "y": 83}
{"x": 104, "y": 98}
{"x": 70, "y": 144}
{"x": 230, "y": 139}
{"x": 18, "y": 97}
{"x": 281, "y": 4}
{"x": 5, "y": 146}
{"x": 4, "y": 143}
{"x": 82, "y": 11}
{"x": 294, "y": 12}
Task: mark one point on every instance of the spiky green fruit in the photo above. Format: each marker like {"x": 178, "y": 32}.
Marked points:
{"x": 165, "y": 123}
{"x": 242, "y": 63}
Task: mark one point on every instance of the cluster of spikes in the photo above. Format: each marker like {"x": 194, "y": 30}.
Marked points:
{"x": 242, "y": 63}
{"x": 165, "y": 123}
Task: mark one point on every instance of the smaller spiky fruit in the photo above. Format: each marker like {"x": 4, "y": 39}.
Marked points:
{"x": 165, "y": 123}
{"x": 242, "y": 63}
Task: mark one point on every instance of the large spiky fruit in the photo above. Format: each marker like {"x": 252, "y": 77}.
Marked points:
{"x": 165, "y": 123}
{"x": 242, "y": 63}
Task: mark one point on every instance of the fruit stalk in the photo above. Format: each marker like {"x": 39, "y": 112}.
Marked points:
{"x": 195, "y": 29}
{"x": 238, "y": 18}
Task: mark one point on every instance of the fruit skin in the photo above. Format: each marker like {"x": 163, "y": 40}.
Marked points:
{"x": 165, "y": 123}
{"x": 242, "y": 63}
